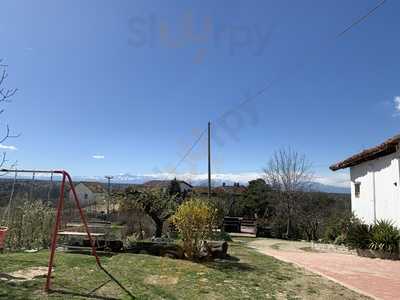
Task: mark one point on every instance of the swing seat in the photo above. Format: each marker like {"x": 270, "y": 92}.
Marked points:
{"x": 3, "y": 233}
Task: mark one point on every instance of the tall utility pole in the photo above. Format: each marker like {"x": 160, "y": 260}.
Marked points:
{"x": 209, "y": 160}
{"x": 109, "y": 193}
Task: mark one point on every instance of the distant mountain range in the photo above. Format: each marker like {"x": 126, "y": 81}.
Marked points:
{"x": 195, "y": 180}
{"x": 201, "y": 180}
{"x": 330, "y": 188}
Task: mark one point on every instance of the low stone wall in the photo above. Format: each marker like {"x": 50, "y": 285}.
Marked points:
{"x": 359, "y": 252}
{"x": 333, "y": 248}
{"x": 377, "y": 254}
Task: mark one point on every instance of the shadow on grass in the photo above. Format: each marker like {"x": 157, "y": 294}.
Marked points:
{"x": 18, "y": 291}
{"x": 89, "y": 253}
{"x": 230, "y": 264}
{"x": 26, "y": 262}
{"x": 77, "y": 294}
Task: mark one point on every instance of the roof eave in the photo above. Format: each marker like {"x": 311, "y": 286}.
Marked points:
{"x": 384, "y": 149}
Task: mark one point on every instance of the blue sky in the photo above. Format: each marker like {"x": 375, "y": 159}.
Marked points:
{"x": 130, "y": 82}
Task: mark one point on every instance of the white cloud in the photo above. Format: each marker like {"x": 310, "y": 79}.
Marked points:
{"x": 397, "y": 105}
{"x": 5, "y": 147}
{"x": 98, "y": 156}
{"x": 335, "y": 179}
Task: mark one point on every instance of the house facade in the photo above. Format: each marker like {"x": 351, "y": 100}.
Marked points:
{"x": 185, "y": 187}
{"x": 164, "y": 185}
{"x": 375, "y": 181}
{"x": 89, "y": 193}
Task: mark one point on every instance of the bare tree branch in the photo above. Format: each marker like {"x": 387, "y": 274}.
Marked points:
{"x": 3, "y": 159}
{"x": 10, "y": 167}
{"x": 5, "y": 94}
{"x": 289, "y": 173}
{"x": 8, "y": 135}
{"x": 5, "y": 97}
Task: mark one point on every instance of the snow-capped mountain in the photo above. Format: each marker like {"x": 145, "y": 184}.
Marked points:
{"x": 201, "y": 180}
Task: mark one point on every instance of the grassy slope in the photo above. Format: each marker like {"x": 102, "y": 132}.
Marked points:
{"x": 250, "y": 275}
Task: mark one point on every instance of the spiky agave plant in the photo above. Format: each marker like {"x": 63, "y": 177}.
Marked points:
{"x": 385, "y": 236}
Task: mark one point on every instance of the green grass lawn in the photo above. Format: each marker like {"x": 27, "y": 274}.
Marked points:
{"x": 247, "y": 275}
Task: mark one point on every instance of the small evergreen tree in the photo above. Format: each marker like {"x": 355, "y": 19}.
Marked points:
{"x": 174, "y": 188}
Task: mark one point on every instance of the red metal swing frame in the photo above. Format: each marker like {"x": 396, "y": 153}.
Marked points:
{"x": 67, "y": 178}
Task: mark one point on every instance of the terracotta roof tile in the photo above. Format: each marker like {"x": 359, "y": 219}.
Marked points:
{"x": 386, "y": 148}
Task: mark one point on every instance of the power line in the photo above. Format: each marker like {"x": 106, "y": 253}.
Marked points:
{"x": 248, "y": 99}
{"x": 362, "y": 18}
{"x": 187, "y": 153}
{"x": 269, "y": 84}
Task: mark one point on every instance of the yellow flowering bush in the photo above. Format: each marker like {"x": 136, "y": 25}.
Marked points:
{"x": 194, "y": 220}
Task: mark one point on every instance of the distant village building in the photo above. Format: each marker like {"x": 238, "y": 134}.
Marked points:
{"x": 89, "y": 193}
{"x": 232, "y": 190}
{"x": 375, "y": 178}
{"x": 164, "y": 184}
{"x": 185, "y": 187}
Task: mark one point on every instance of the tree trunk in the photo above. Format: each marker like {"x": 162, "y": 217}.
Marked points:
{"x": 159, "y": 227}
{"x": 213, "y": 249}
{"x": 159, "y": 223}
{"x": 288, "y": 225}
{"x": 289, "y": 221}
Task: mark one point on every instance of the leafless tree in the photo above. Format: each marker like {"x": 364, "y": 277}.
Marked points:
{"x": 5, "y": 97}
{"x": 289, "y": 173}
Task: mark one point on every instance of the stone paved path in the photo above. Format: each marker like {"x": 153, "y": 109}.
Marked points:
{"x": 377, "y": 278}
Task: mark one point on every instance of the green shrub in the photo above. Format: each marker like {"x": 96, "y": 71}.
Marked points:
{"x": 340, "y": 240}
{"x": 385, "y": 237}
{"x": 336, "y": 228}
{"x": 221, "y": 236}
{"x": 130, "y": 240}
{"x": 358, "y": 235}
{"x": 31, "y": 225}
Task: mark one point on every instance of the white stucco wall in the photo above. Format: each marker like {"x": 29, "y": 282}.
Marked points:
{"x": 185, "y": 187}
{"x": 81, "y": 191}
{"x": 378, "y": 180}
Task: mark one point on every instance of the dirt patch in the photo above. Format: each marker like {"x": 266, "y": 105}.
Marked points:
{"x": 161, "y": 280}
{"x": 25, "y": 274}
{"x": 277, "y": 246}
{"x": 310, "y": 249}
